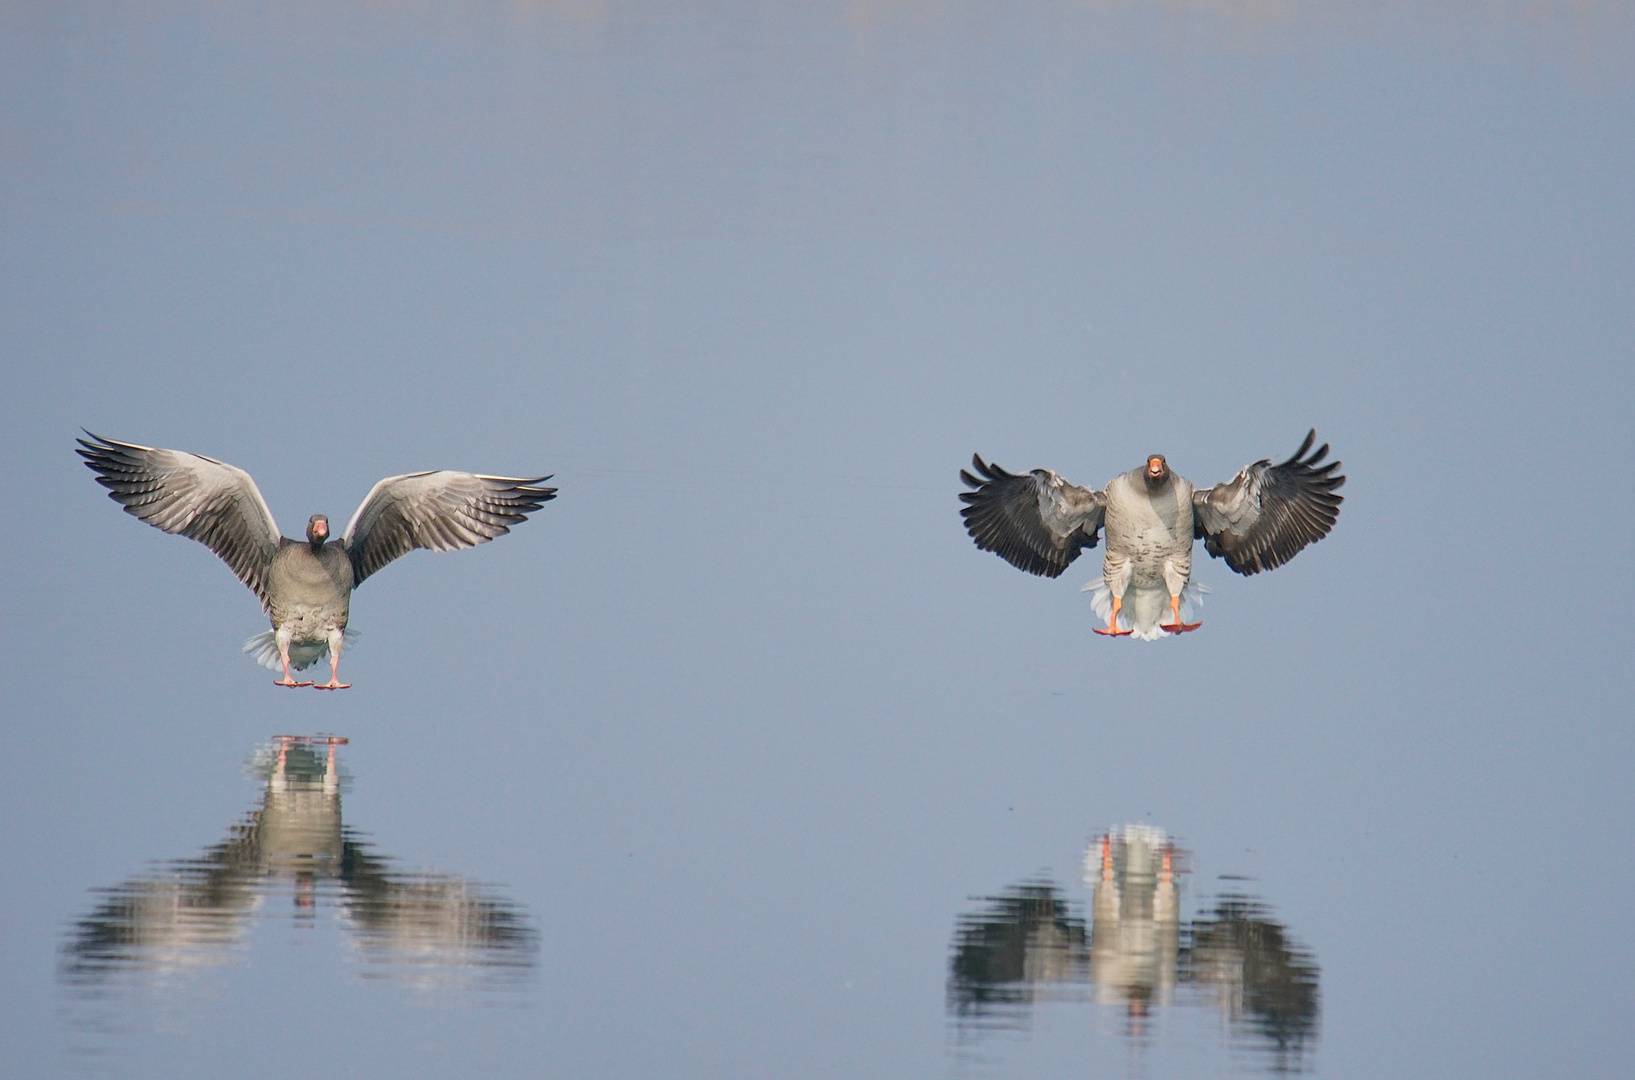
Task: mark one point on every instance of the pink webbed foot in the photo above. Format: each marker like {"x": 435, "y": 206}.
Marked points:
{"x": 291, "y": 683}
{"x": 1112, "y": 631}
{"x": 1179, "y": 627}
{"x": 332, "y": 684}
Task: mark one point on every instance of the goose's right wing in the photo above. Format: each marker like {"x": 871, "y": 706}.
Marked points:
{"x": 1037, "y": 522}
{"x": 192, "y": 495}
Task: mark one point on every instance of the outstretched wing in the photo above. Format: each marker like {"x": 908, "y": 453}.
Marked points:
{"x": 1037, "y": 522}
{"x": 195, "y": 496}
{"x": 1267, "y": 513}
{"x": 441, "y": 510}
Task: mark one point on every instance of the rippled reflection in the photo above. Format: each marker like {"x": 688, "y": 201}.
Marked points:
{"x": 1136, "y": 918}
{"x": 1027, "y": 945}
{"x": 194, "y": 914}
{"x": 1023, "y": 945}
{"x": 1264, "y": 981}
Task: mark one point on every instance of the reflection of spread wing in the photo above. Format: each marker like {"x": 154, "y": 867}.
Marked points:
{"x": 424, "y": 919}
{"x": 198, "y": 497}
{"x": 186, "y": 914}
{"x": 1037, "y": 522}
{"x": 1267, "y": 513}
{"x": 442, "y": 511}
{"x": 1253, "y": 959}
{"x": 1025, "y": 936}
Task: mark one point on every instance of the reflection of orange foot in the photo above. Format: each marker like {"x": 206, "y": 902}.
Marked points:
{"x": 331, "y": 685}
{"x": 1180, "y": 627}
{"x": 1113, "y": 631}
{"x": 290, "y": 682}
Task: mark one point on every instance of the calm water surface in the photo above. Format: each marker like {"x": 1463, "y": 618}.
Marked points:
{"x": 738, "y": 759}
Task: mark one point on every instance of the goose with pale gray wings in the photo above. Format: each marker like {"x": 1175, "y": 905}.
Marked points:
{"x": 305, "y": 586}
{"x": 1257, "y": 521}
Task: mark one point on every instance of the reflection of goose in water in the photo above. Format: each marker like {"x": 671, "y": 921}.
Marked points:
{"x": 199, "y": 912}
{"x": 1027, "y": 945}
{"x": 1135, "y": 918}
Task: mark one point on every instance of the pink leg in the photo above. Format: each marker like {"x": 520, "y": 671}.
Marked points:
{"x": 288, "y": 679}
{"x": 334, "y": 682}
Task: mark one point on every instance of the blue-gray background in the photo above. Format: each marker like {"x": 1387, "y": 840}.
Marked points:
{"x": 742, "y": 719}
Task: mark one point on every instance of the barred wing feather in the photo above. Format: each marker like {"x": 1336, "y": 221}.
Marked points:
{"x": 191, "y": 495}
{"x": 1266, "y": 514}
{"x": 1037, "y": 522}
{"x": 442, "y": 511}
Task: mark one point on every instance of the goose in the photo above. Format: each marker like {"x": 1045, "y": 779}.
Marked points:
{"x": 1257, "y": 521}
{"x": 305, "y": 587}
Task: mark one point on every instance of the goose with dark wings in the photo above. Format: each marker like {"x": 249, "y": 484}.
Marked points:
{"x": 1258, "y": 520}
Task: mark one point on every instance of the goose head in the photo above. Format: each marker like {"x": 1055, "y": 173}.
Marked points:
{"x": 1157, "y": 471}
{"x": 317, "y": 530}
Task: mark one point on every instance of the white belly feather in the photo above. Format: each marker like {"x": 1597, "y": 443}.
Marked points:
{"x": 1149, "y": 552}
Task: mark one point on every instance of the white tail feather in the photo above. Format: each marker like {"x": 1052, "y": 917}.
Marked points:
{"x": 263, "y": 649}
{"x": 1144, "y": 608}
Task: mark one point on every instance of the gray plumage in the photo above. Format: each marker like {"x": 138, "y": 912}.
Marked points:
{"x": 305, "y": 586}
{"x": 1261, "y": 518}
{"x": 1257, "y": 521}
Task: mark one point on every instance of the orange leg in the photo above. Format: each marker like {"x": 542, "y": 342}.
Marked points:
{"x": 334, "y": 682}
{"x": 1112, "y": 623}
{"x": 1178, "y": 627}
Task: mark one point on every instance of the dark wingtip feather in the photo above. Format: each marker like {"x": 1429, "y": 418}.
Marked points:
{"x": 1001, "y": 516}
{"x": 94, "y": 447}
{"x": 1311, "y": 437}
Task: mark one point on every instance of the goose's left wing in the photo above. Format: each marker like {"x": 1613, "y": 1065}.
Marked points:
{"x": 1267, "y": 513}
{"x": 440, "y": 510}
